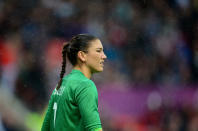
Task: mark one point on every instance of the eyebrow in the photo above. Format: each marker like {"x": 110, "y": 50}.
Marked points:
{"x": 100, "y": 48}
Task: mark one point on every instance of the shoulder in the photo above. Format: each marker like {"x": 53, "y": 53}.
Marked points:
{"x": 86, "y": 83}
{"x": 86, "y": 86}
{"x": 86, "y": 90}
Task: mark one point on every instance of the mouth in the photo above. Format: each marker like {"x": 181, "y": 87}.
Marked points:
{"x": 102, "y": 63}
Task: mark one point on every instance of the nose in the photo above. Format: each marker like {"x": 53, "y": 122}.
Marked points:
{"x": 104, "y": 56}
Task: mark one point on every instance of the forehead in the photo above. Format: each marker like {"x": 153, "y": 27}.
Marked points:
{"x": 95, "y": 44}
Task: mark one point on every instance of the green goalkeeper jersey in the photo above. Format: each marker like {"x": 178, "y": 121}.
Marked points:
{"x": 74, "y": 106}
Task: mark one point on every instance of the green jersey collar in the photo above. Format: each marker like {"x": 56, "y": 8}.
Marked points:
{"x": 76, "y": 71}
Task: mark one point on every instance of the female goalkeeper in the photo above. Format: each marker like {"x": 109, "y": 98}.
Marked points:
{"x": 74, "y": 102}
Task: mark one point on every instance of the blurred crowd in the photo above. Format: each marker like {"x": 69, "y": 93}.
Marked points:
{"x": 146, "y": 42}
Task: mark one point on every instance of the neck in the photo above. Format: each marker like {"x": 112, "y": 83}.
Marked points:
{"x": 86, "y": 71}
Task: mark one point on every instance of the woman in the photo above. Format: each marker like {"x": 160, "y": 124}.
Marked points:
{"x": 74, "y": 103}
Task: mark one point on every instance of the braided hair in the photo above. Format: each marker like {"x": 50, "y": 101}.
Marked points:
{"x": 78, "y": 43}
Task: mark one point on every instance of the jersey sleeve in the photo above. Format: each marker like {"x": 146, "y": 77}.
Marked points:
{"x": 46, "y": 122}
{"x": 87, "y": 100}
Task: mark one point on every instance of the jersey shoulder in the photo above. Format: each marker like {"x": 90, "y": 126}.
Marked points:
{"x": 77, "y": 80}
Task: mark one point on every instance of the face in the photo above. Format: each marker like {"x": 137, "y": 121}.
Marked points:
{"x": 95, "y": 56}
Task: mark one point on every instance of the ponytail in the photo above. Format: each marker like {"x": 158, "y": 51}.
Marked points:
{"x": 64, "y": 52}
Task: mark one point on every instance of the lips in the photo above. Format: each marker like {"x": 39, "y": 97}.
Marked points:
{"x": 102, "y": 63}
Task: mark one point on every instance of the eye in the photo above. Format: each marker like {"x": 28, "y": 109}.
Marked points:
{"x": 99, "y": 51}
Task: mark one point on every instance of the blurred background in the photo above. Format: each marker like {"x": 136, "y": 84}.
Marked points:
{"x": 150, "y": 78}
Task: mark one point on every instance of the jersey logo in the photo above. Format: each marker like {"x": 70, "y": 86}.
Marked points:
{"x": 59, "y": 91}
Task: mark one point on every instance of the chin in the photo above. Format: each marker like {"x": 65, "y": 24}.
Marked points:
{"x": 97, "y": 70}
{"x": 100, "y": 70}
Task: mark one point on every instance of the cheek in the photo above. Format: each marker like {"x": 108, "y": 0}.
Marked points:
{"x": 94, "y": 59}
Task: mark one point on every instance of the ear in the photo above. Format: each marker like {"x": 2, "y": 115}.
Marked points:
{"x": 82, "y": 56}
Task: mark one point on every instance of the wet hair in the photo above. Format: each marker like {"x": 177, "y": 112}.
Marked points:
{"x": 80, "y": 42}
